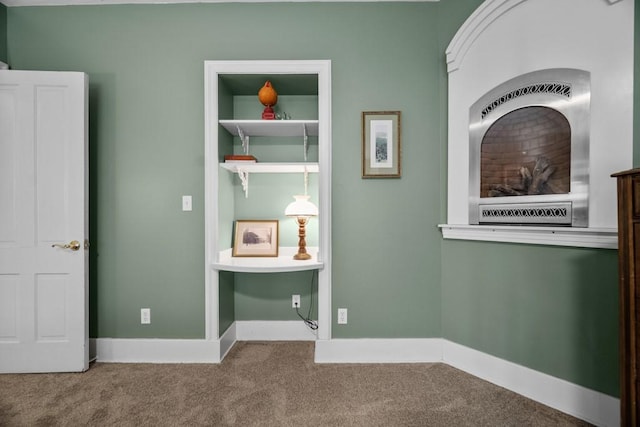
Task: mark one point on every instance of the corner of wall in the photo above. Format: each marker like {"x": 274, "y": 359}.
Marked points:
{"x": 636, "y": 88}
{"x": 3, "y": 33}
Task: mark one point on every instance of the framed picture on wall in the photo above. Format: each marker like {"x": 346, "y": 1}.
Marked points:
{"x": 256, "y": 238}
{"x": 381, "y": 156}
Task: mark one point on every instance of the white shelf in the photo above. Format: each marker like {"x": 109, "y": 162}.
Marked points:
{"x": 249, "y": 167}
{"x": 283, "y": 263}
{"x": 280, "y": 128}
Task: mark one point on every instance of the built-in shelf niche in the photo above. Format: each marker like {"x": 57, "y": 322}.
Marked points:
{"x": 308, "y": 150}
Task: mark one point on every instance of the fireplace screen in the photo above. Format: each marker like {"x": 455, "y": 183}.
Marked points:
{"x": 529, "y": 151}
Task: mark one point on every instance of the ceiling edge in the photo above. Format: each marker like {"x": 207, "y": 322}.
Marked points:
{"x": 19, "y": 3}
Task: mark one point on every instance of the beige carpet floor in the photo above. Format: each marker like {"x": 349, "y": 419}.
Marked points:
{"x": 267, "y": 384}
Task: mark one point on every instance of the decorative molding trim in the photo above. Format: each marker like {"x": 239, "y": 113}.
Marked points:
{"x": 603, "y": 238}
{"x": 15, "y": 3}
{"x": 274, "y": 330}
{"x": 591, "y": 406}
{"x": 392, "y": 350}
{"x": 479, "y": 20}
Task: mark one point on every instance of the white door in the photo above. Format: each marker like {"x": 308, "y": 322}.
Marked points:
{"x": 43, "y": 209}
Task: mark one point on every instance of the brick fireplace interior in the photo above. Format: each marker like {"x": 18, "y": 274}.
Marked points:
{"x": 526, "y": 152}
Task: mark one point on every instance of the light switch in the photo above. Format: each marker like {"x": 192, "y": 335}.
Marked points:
{"x": 186, "y": 203}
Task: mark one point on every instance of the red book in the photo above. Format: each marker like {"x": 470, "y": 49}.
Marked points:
{"x": 240, "y": 158}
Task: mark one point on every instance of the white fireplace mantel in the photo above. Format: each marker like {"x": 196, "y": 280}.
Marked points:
{"x": 606, "y": 238}
{"x": 504, "y": 39}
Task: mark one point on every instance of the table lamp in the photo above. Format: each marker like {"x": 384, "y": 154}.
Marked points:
{"x": 302, "y": 209}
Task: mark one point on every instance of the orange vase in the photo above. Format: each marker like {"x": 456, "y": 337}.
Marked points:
{"x": 268, "y": 97}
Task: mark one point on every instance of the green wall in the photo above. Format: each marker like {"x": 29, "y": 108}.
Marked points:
{"x": 552, "y": 309}
{"x": 548, "y": 308}
{"x": 145, "y": 65}
{"x": 3, "y": 33}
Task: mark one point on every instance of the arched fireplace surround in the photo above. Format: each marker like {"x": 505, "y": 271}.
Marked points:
{"x": 529, "y": 151}
{"x": 507, "y": 39}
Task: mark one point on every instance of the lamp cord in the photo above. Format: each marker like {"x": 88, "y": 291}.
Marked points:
{"x": 312, "y": 324}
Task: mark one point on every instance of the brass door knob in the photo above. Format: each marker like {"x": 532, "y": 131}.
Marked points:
{"x": 74, "y": 245}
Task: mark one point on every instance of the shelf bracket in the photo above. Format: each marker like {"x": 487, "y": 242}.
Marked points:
{"x": 245, "y": 140}
{"x": 306, "y": 180}
{"x": 244, "y": 178}
{"x": 306, "y": 141}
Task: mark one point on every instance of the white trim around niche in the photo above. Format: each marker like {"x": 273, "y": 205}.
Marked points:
{"x": 483, "y": 16}
{"x": 321, "y": 68}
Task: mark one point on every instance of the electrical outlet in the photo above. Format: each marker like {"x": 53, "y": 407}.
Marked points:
{"x": 295, "y": 301}
{"x": 187, "y": 204}
{"x": 145, "y": 316}
{"x": 342, "y": 316}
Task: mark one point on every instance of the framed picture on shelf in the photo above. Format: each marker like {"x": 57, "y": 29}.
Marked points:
{"x": 381, "y": 156}
{"x": 256, "y": 238}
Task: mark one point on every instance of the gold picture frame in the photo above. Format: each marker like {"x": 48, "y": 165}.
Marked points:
{"x": 381, "y": 144}
{"x": 256, "y": 238}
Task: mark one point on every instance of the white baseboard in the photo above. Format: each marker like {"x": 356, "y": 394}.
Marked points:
{"x": 227, "y": 340}
{"x": 136, "y": 350}
{"x": 273, "y": 330}
{"x": 580, "y": 402}
{"x": 143, "y": 350}
{"x": 93, "y": 351}
{"x": 393, "y": 350}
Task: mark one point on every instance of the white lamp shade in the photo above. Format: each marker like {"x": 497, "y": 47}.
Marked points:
{"x": 301, "y": 207}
